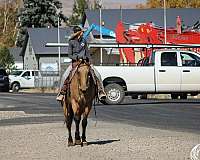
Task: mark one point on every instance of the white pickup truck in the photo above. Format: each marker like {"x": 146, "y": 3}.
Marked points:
{"x": 172, "y": 72}
{"x": 20, "y": 79}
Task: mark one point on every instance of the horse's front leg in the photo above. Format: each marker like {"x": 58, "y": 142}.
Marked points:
{"x": 84, "y": 125}
{"x": 77, "y": 119}
{"x": 69, "y": 120}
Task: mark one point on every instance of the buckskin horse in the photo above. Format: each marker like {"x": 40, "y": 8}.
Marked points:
{"x": 78, "y": 102}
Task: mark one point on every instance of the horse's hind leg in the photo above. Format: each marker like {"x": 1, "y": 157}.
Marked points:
{"x": 77, "y": 119}
{"x": 69, "y": 124}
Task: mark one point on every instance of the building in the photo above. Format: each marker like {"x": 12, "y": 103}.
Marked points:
{"x": 38, "y": 57}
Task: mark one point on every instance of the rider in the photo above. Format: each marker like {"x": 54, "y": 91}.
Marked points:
{"x": 78, "y": 50}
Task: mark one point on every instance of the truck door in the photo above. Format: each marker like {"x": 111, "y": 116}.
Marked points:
{"x": 190, "y": 71}
{"x": 168, "y": 74}
{"x": 27, "y": 79}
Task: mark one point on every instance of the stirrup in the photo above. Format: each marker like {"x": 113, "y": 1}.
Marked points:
{"x": 60, "y": 97}
{"x": 102, "y": 96}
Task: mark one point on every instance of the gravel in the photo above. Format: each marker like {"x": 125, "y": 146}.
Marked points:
{"x": 107, "y": 141}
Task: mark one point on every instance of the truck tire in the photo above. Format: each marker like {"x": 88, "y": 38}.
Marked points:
{"x": 15, "y": 87}
{"x": 174, "y": 96}
{"x": 115, "y": 94}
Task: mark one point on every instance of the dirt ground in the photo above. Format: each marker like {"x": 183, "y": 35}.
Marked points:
{"x": 107, "y": 141}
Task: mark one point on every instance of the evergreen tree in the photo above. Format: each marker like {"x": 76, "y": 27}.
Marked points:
{"x": 6, "y": 59}
{"x": 38, "y": 13}
{"x": 78, "y": 11}
{"x": 96, "y": 5}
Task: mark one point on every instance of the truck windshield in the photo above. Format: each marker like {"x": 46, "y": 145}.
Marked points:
{"x": 16, "y": 73}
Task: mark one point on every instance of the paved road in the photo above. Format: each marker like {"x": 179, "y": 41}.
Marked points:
{"x": 179, "y": 115}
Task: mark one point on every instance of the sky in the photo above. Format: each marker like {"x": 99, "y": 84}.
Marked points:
{"x": 108, "y": 4}
{"x": 68, "y": 4}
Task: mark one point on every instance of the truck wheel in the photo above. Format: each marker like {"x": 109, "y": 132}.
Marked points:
{"x": 15, "y": 87}
{"x": 115, "y": 93}
{"x": 174, "y": 96}
{"x": 103, "y": 102}
{"x": 183, "y": 96}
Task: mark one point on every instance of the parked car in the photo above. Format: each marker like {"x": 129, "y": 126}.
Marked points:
{"x": 4, "y": 81}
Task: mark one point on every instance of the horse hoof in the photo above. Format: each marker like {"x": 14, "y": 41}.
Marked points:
{"x": 70, "y": 144}
{"x": 78, "y": 142}
{"x": 85, "y": 143}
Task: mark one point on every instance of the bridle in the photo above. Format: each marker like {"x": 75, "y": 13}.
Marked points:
{"x": 83, "y": 63}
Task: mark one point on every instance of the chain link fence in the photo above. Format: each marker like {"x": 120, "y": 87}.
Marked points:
{"x": 47, "y": 79}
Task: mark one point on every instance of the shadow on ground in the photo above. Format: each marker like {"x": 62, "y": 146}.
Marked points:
{"x": 103, "y": 142}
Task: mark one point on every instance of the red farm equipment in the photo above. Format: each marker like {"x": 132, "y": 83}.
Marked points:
{"x": 148, "y": 33}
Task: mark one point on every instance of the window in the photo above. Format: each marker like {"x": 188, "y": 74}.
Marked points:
{"x": 189, "y": 59}
{"x": 35, "y": 73}
{"x": 168, "y": 59}
{"x": 16, "y": 73}
{"x": 26, "y": 74}
{"x": 152, "y": 59}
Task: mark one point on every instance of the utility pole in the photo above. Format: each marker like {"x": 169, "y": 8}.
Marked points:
{"x": 59, "y": 50}
{"x": 165, "y": 21}
{"x": 101, "y": 37}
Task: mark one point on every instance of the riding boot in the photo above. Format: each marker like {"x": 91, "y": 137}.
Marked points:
{"x": 63, "y": 90}
{"x": 99, "y": 83}
{"x": 101, "y": 92}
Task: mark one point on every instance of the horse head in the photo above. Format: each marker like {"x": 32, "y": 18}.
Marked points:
{"x": 83, "y": 75}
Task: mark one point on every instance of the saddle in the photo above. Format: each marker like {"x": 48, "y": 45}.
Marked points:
{"x": 75, "y": 65}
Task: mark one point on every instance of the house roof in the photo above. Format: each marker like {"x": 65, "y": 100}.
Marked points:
{"x": 131, "y": 16}
{"x": 16, "y": 54}
{"x": 40, "y": 36}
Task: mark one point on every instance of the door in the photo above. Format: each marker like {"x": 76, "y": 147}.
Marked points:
{"x": 142, "y": 77}
{"x": 190, "y": 71}
{"x": 27, "y": 80}
{"x": 168, "y": 74}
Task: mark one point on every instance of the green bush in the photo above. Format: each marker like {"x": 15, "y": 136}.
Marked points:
{"x": 6, "y": 59}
